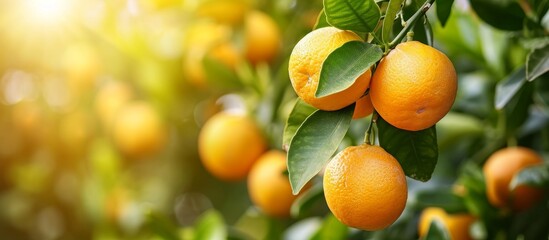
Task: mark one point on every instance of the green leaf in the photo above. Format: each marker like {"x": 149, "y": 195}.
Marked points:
{"x": 252, "y": 224}
{"x": 507, "y": 88}
{"x": 417, "y": 151}
{"x": 344, "y": 65}
{"x": 331, "y": 229}
{"x": 542, "y": 93}
{"x": 472, "y": 179}
{"x": 210, "y": 226}
{"x": 441, "y": 197}
{"x": 321, "y": 20}
{"x": 161, "y": 226}
{"x": 537, "y": 176}
{"x": 355, "y": 15}
{"x": 444, "y": 8}
{"x": 219, "y": 74}
{"x": 437, "y": 231}
{"x": 454, "y": 127}
{"x": 298, "y": 114}
{"x": 314, "y": 143}
{"x": 390, "y": 15}
{"x": 306, "y": 200}
{"x": 537, "y": 63}
{"x": 422, "y": 30}
{"x": 504, "y": 15}
{"x": 517, "y": 109}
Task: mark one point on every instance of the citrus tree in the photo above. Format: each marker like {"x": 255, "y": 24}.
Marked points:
{"x": 376, "y": 59}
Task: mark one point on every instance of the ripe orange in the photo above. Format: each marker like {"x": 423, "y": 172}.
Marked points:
{"x": 363, "y": 107}
{"x": 109, "y": 100}
{"x": 269, "y": 187}
{"x": 306, "y": 62}
{"x": 457, "y": 225}
{"x": 225, "y": 53}
{"x": 82, "y": 65}
{"x": 262, "y": 37}
{"x": 138, "y": 130}
{"x": 414, "y": 86}
{"x": 229, "y": 144}
{"x": 202, "y": 38}
{"x": 365, "y": 187}
{"x": 499, "y": 170}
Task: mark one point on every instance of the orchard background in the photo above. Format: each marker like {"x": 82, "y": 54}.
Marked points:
{"x": 102, "y": 103}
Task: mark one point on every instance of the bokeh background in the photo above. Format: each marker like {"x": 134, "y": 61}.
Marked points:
{"x": 67, "y": 71}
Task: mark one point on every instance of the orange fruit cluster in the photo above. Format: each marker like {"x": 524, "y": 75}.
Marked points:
{"x": 215, "y": 37}
{"x": 232, "y": 147}
{"x": 412, "y": 88}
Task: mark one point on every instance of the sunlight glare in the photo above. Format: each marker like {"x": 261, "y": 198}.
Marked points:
{"x": 48, "y": 11}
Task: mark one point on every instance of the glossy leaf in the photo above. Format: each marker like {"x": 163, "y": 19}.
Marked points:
{"x": 437, "y": 231}
{"x": 504, "y": 15}
{"x": 507, "y": 88}
{"x": 314, "y": 143}
{"x": 321, "y": 20}
{"x": 331, "y": 229}
{"x": 355, "y": 15}
{"x": 298, "y": 114}
{"x": 210, "y": 226}
{"x": 542, "y": 92}
{"x": 537, "y": 176}
{"x": 390, "y": 15}
{"x": 306, "y": 200}
{"x": 444, "y": 8}
{"x": 417, "y": 151}
{"x": 517, "y": 109}
{"x": 344, "y": 65}
{"x": 537, "y": 63}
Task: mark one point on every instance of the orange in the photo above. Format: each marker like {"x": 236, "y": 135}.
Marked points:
{"x": 82, "y": 64}
{"x": 229, "y": 144}
{"x": 109, "y": 99}
{"x": 306, "y": 62}
{"x": 262, "y": 37}
{"x": 225, "y": 11}
{"x": 138, "y": 130}
{"x": 365, "y": 187}
{"x": 269, "y": 187}
{"x": 116, "y": 203}
{"x": 225, "y": 53}
{"x": 499, "y": 170}
{"x": 201, "y": 39}
{"x": 27, "y": 116}
{"x": 363, "y": 107}
{"x": 457, "y": 225}
{"x": 414, "y": 86}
